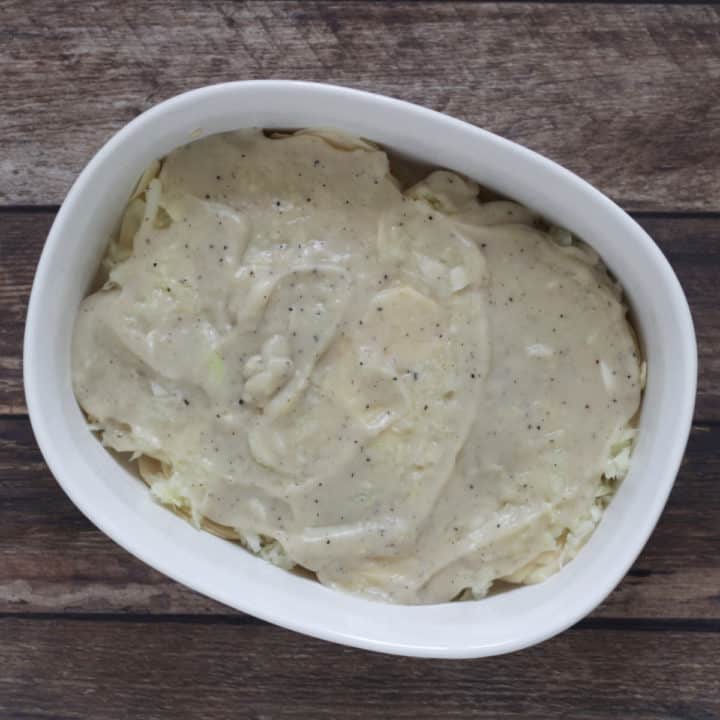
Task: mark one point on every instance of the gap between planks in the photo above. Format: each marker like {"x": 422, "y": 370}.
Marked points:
{"x": 611, "y": 624}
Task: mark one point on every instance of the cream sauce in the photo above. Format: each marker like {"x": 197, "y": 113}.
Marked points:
{"x": 411, "y": 392}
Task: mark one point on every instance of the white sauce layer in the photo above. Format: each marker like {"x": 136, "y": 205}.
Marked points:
{"x": 408, "y": 393}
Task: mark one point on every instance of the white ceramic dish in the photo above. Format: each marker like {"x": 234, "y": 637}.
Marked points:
{"x": 120, "y": 505}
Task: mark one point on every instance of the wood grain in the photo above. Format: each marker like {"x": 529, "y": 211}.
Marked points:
{"x": 53, "y": 560}
{"x": 113, "y": 670}
{"x": 22, "y": 237}
{"x": 627, "y": 97}
{"x": 690, "y": 244}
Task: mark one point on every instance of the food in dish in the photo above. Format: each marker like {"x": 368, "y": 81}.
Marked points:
{"x": 409, "y": 392}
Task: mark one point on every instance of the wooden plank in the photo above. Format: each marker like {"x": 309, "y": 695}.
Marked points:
{"x": 53, "y": 560}
{"x": 105, "y": 670}
{"x": 693, "y": 250}
{"x": 689, "y": 242}
{"x": 22, "y": 237}
{"x": 628, "y": 98}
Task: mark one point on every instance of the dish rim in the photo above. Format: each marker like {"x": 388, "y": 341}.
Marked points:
{"x": 52, "y": 452}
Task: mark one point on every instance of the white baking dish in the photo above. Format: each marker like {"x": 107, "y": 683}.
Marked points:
{"x": 120, "y": 505}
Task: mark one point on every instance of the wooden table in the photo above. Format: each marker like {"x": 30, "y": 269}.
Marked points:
{"x": 626, "y": 95}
